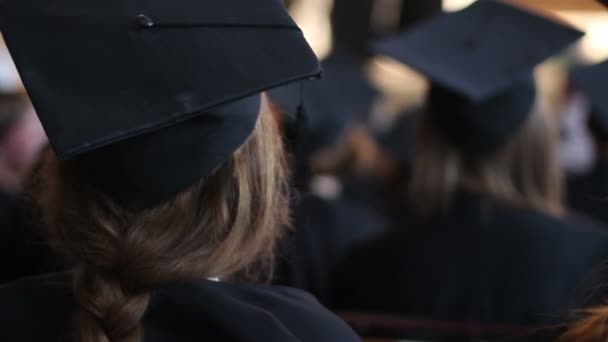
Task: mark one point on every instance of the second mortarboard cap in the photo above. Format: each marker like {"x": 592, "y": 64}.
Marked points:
{"x": 592, "y": 81}
{"x": 152, "y": 96}
{"x": 480, "y": 62}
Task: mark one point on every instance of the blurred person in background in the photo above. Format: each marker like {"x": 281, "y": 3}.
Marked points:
{"x": 166, "y": 187}
{"x": 588, "y": 190}
{"x": 396, "y": 157}
{"x": 486, "y": 242}
{"x": 318, "y": 118}
{"x": 339, "y": 169}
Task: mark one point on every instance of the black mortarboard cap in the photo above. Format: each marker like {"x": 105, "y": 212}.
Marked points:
{"x": 332, "y": 103}
{"x": 592, "y": 81}
{"x": 480, "y": 62}
{"x": 154, "y": 95}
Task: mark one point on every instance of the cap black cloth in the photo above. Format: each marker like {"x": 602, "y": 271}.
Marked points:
{"x": 343, "y": 95}
{"x": 480, "y": 62}
{"x": 140, "y": 90}
{"x": 592, "y": 81}
{"x": 40, "y": 309}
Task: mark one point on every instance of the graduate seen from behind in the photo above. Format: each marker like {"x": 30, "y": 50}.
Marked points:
{"x": 165, "y": 187}
{"x": 486, "y": 242}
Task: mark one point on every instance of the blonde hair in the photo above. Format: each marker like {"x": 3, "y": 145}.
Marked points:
{"x": 522, "y": 173}
{"x": 227, "y": 225}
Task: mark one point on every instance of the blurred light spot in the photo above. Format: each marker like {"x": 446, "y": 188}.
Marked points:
{"x": 313, "y": 18}
{"x": 594, "y": 47}
{"x": 456, "y": 5}
{"x": 10, "y": 82}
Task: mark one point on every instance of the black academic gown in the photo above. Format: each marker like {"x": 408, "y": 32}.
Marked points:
{"x": 39, "y": 309}
{"x": 23, "y": 251}
{"x": 12, "y": 246}
{"x": 324, "y": 230}
{"x": 480, "y": 262}
{"x": 588, "y": 193}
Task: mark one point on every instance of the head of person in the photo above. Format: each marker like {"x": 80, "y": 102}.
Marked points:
{"x": 521, "y": 171}
{"x": 21, "y": 140}
{"x": 166, "y": 165}
{"x": 483, "y": 127}
{"x": 224, "y": 225}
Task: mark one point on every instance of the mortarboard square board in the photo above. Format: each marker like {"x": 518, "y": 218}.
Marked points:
{"x": 480, "y": 50}
{"x": 343, "y": 95}
{"x": 592, "y": 81}
{"x": 480, "y": 62}
{"x": 156, "y": 91}
{"x": 124, "y": 58}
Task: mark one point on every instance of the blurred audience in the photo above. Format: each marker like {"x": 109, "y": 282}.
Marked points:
{"x": 318, "y": 117}
{"x": 487, "y": 240}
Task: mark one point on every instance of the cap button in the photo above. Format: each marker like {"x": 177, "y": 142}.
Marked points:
{"x": 144, "y": 22}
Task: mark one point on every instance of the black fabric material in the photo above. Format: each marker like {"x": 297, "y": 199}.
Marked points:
{"x": 132, "y": 173}
{"x": 479, "y": 61}
{"x": 480, "y": 262}
{"x": 324, "y": 231}
{"x": 125, "y": 80}
{"x": 12, "y": 251}
{"x": 119, "y": 73}
{"x": 23, "y": 249}
{"x": 587, "y": 194}
{"x": 352, "y": 27}
{"x": 413, "y": 12}
{"x": 478, "y": 51}
{"x": 39, "y": 309}
{"x": 305, "y": 264}
{"x": 353, "y": 21}
{"x": 591, "y": 80}
{"x": 480, "y": 128}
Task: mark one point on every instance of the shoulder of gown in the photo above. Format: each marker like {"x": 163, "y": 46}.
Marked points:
{"x": 37, "y": 309}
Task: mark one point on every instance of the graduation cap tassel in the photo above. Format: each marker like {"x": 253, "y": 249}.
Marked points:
{"x": 296, "y": 128}
{"x": 301, "y": 121}
{"x": 301, "y": 110}
{"x": 300, "y": 149}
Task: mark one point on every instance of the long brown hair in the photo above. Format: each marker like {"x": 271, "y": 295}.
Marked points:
{"x": 592, "y": 328}
{"x": 225, "y": 226}
{"x": 522, "y": 173}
